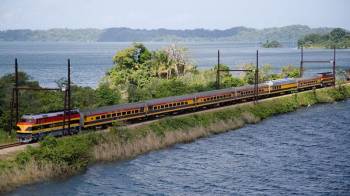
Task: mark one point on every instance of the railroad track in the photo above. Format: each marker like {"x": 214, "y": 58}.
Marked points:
{"x": 10, "y": 145}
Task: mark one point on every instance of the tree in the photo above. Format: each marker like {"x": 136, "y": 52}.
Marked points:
{"x": 107, "y": 96}
{"x": 337, "y": 34}
{"x": 290, "y": 71}
{"x": 132, "y": 57}
{"x": 265, "y": 73}
{"x": 272, "y": 44}
{"x": 178, "y": 56}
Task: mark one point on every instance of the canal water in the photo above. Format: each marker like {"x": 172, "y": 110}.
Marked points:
{"x": 300, "y": 153}
{"x": 46, "y": 62}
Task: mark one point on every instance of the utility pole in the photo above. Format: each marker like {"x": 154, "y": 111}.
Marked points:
{"x": 69, "y": 97}
{"x": 334, "y": 65}
{"x": 16, "y": 89}
{"x": 218, "y": 72}
{"x": 301, "y": 62}
{"x": 14, "y": 101}
{"x": 257, "y": 77}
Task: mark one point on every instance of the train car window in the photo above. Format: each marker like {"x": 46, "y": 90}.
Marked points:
{"x": 128, "y": 112}
{"x": 98, "y": 117}
{"x": 103, "y": 116}
{"x": 108, "y": 115}
{"x": 123, "y": 113}
{"x": 114, "y": 114}
{"x": 162, "y": 106}
{"x": 166, "y": 105}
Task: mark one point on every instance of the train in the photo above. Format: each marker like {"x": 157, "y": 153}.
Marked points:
{"x": 34, "y": 127}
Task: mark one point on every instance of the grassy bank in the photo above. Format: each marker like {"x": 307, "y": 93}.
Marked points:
{"x": 5, "y": 138}
{"x": 57, "y": 158}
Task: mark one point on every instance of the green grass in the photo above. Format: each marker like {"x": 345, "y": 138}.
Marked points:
{"x": 66, "y": 156}
{"x": 6, "y": 138}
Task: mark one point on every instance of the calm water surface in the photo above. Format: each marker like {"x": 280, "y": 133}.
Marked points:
{"x": 47, "y": 61}
{"x": 301, "y": 153}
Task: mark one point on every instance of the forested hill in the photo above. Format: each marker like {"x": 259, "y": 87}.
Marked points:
{"x": 241, "y": 34}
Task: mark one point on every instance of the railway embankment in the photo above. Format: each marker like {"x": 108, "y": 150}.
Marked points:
{"x": 57, "y": 158}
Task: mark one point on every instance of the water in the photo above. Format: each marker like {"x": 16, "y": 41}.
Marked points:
{"x": 47, "y": 61}
{"x": 301, "y": 153}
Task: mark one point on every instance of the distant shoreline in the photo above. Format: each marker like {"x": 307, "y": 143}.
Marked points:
{"x": 242, "y": 34}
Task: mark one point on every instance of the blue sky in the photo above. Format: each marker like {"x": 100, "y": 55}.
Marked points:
{"x": 173, "y": 14}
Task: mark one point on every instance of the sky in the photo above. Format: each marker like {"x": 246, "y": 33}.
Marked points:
{"x": 172, "y": 14}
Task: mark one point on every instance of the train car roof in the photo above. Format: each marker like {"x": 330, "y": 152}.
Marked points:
{"x": 307, "y": 78}
{"x": 42, "y": 115}
{"x": 45, "y": 115}
{"x": 106, "y": 109}
{"x": 110, "y": 108}
{"x": 281, "y": 81}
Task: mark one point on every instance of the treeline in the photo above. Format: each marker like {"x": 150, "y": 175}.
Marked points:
{"x": 339, "y": 38}
{"x": 241, "y": 34}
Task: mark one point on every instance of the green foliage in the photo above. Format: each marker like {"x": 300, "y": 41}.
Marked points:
{"x": 290, "y": 71}
{"x": 132, "y": 57}
{"x": 121, "y": 134}
{"x": 73, "y": 152}
{"x": 107, "y": 96}
{"x": 265, "y": 73}
{"x": 272, "y": 44}
{"x": 5, "y": 137}
{"x": 338, "y": 38}
{"x": 226, "y": 78}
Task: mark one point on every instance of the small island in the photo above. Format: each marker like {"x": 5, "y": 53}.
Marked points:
{"x": 338, "y": 38}
{"x": 272, "y": 44}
